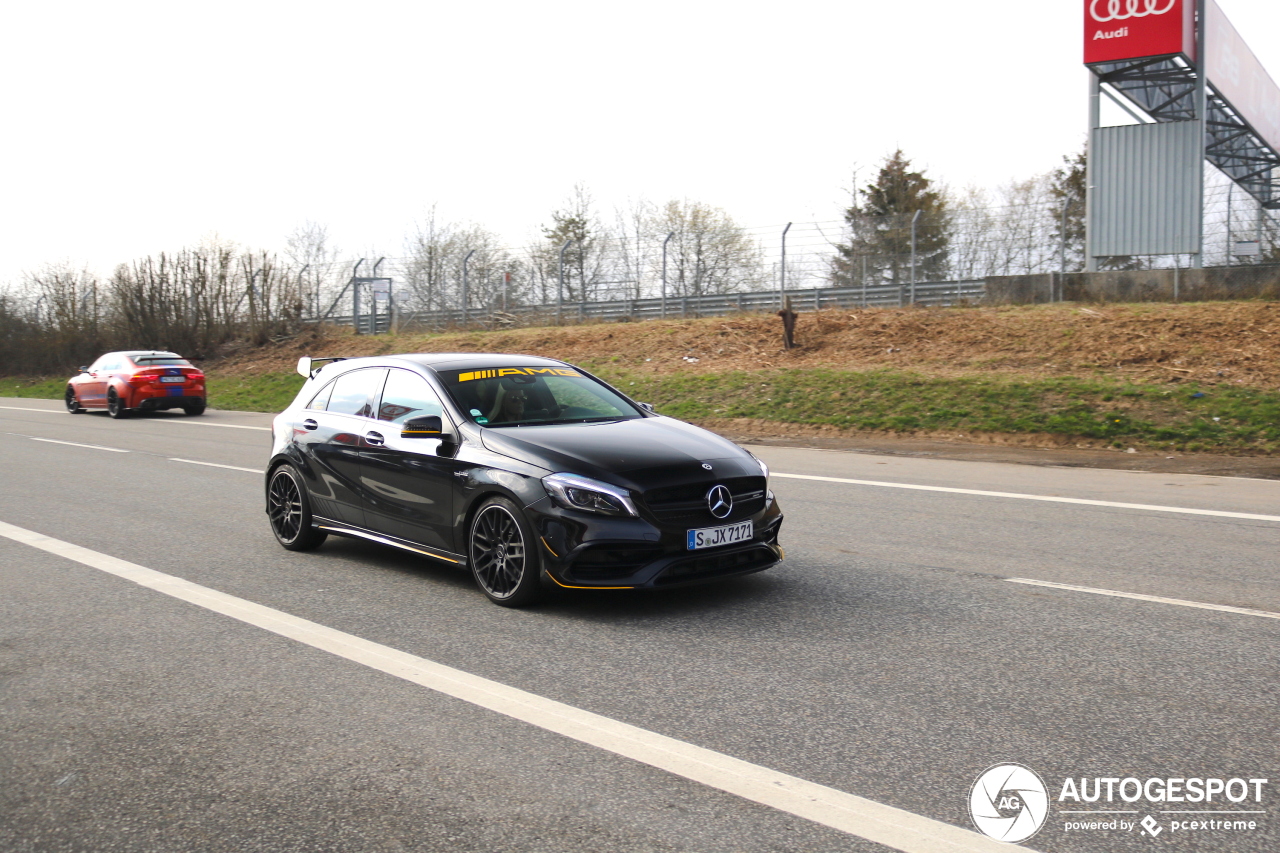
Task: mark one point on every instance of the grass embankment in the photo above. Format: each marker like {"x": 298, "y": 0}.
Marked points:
{"x": 1221, "y": 418}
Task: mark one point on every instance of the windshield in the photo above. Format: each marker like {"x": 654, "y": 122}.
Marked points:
{"x": 524, "y": 396}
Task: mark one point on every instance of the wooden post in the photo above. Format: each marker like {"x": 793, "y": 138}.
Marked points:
{"x": 788, "y": 324}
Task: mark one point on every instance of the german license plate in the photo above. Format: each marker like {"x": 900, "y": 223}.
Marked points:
{"x": 173, "y": 379}
{"x": 713, "y": 537}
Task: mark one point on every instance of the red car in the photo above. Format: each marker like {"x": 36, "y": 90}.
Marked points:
{"x": 143, "y": 380}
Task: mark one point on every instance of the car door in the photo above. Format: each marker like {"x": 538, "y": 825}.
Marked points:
{"x": 330, "y": 437}
{"x": 92, "y": 386}
{"x": 408, "y": 480}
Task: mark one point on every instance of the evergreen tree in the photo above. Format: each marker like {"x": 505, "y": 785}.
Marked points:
{"x": 1067, "y": 187}
{"x": 880, "y": 229}
{"x": 584, "y": 262}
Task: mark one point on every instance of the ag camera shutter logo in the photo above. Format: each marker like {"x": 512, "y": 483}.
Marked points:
{"x": 1009, "y": 802}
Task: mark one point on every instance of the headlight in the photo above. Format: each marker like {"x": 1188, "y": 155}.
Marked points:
{"x": 764, "y": 469}
{"x": 576, "y": 492}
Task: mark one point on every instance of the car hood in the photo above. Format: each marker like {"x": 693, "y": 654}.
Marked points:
{"x": 636, "y": 454}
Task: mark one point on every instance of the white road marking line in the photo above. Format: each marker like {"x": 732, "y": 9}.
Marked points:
{"x": 192, "y": 422}
{"x": 198, "y": 422}
{"x": 1151, "y": 507}
{"x": 216, "y": 465}
{"x": 892, "y": 827}
{"x": 1159, "y": 599}
{"x": 77, "y": 444}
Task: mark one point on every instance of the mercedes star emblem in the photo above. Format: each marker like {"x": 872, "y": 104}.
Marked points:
{"x": 720, "y": 501}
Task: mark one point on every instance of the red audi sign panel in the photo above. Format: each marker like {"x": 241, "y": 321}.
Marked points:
{"x": 1131, "y": 29}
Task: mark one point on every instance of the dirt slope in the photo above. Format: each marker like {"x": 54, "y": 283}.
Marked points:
{"x": 1209, "y": 343}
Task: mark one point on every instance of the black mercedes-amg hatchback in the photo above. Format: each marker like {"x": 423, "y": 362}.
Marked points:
{"x": 527, "y": 471}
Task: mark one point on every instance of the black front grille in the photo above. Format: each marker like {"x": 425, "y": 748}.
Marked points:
{"x": 713, "y": 565}
{"x": 610, "y": 562}
{"x": 687, "y": 505}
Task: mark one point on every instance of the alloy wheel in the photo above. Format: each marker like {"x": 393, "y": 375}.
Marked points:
{"x": 499, "y": 556}
{"x": 284, "y": 507}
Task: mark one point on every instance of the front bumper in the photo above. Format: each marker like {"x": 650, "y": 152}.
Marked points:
{"x": 586, "y": 551}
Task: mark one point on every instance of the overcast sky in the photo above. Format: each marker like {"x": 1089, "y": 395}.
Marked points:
{"x": 134, "y": 128}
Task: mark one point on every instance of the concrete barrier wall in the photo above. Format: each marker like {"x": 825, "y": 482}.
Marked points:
{"x": 1256, "y": 281}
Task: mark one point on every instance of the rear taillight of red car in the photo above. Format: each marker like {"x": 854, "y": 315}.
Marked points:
{"x": 143, "y": 377}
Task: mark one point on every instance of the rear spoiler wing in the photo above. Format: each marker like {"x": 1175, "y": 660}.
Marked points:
{"x": 305, "y": 365}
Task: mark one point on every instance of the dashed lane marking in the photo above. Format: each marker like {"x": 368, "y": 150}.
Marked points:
{"x": 78, "y": 444}
{"x": 216, "y": 465}
{"x": 1159, "y": 599}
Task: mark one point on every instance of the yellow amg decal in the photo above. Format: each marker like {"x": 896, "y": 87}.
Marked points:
{"x": 516, "y": 371}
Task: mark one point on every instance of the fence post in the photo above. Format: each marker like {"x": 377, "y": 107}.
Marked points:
{"x": 465, "y": 262}
{"x": 914, "y": 219}
{"x": 664, "y": 273}
{"x": 560, "y": 285}
{"x": 782, "y": 289}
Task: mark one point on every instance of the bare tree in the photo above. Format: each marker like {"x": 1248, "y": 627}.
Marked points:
{"x": 315, "y": 262}
{"x": 433, "y": 268}
{"x": 709, "y": 252}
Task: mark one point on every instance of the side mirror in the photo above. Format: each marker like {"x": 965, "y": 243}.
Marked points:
{"x": 648, "y": 407}
{"x": 429, "y": 427}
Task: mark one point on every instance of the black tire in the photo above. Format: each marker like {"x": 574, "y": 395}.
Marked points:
{"x": 73, "y": 405}
{"x": 289, "y": 511}
{"x": 115, "y": 406}
{"x": 503, "y": 555}
{"x": 194, "y": 409}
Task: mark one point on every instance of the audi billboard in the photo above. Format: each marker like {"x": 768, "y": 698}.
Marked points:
{"x": 1133, "y": 29}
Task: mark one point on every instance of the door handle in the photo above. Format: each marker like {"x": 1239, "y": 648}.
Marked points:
{"x": 375, "y": 439}
{"x": 310, "y": 424}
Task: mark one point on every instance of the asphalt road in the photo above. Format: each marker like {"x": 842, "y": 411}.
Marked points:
{"x": 890, "y": 657}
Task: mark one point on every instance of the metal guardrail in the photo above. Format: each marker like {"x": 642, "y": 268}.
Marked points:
{"x": 934, "y": 293}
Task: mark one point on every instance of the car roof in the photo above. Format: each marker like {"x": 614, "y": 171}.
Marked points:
{"x": 451, "y": 360}
{"x": 156, "y": 352}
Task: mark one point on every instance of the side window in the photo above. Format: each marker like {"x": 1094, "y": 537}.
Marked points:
{"x": 407, "y": 396}
{"x": 321, "y": 401}
{"x": 354, "y": 393}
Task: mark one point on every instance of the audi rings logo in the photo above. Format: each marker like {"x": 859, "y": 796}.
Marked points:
{"x": 1123, "y": 10}
{"x": 1009, "y": 802}
{"x": 720, "y": 501}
